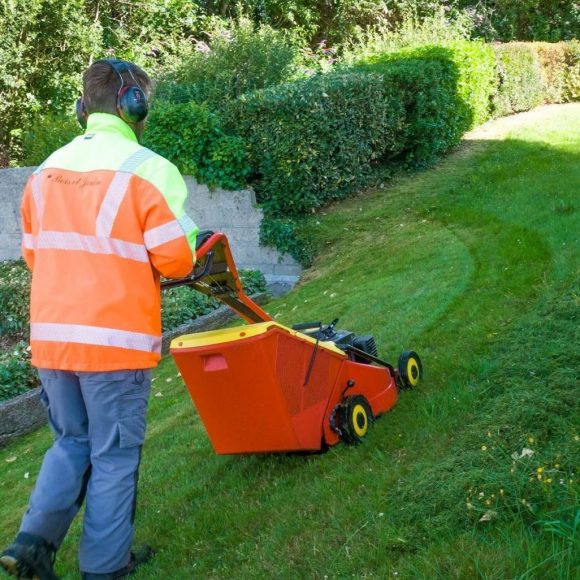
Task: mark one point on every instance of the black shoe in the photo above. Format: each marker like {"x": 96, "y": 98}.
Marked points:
{"x": 140, "y": 555}
{"x": 30, "y": 557}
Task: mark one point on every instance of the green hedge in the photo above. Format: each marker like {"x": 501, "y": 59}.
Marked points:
{"x": 520, "y": 86}
{"x": 572, "y": 75}
{"x": 316, "y": 140}
{"x": 552, "y": 58}
{"x": 313, "y": 141}
{"x": 190, "y": 136}
{"x": 445, "y": 91}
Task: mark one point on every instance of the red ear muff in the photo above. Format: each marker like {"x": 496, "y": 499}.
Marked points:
{"x": 81, "y": 113}
{"x": 132, "y": 104}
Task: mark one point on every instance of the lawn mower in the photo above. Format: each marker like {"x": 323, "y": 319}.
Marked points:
{"x": 265, "y": 387}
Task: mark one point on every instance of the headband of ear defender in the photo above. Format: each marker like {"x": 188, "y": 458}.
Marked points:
{"x": 132, "y": 104}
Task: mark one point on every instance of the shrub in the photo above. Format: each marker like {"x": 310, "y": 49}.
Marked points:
{"x": 553, "y": 66}
{"x": 43, "y": 46}
{"x": 318, "y": 139}
{"x": 520, "y": 86}
{"x": 14, "y": 297}
{"x": 149, "y": 32}
{"x": 446, "y": 91}
{"x": 45, "y": 135}
{"x": 314, "y": 140}
{"x": 286, "y": 235}
{"x": 234, "y": 62}
{"x": 16, "y": 373}
{"x": 572, "y": 76}
{"x": 253, "y": 281}
{"x": 506, "y": 20}
{"x": 437, "y": 29}
{"x": 181, "y": 305}
{"x": 190, "y": 136}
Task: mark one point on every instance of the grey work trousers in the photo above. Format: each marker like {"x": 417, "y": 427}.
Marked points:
{"x": 98, "y": 420}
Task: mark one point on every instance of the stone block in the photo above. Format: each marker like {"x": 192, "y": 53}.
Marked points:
{"x": 21, "y": 415}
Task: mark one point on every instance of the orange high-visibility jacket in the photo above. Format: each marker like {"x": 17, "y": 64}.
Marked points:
{"x": 102, "y": 219}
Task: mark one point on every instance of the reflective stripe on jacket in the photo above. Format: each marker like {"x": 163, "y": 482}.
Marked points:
{"x": 102, "y": 218}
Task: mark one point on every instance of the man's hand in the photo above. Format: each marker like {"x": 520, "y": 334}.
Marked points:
{"x": 202, "y": 237}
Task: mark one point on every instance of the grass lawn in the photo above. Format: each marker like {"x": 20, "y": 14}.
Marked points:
{"x": 474, "y": 264}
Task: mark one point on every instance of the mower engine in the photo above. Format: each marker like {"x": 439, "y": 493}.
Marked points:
{"x": 343, "y": 339}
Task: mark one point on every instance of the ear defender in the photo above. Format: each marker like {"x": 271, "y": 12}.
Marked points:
{"x": 81, "y": 113}
{"x": 132, "y": 104}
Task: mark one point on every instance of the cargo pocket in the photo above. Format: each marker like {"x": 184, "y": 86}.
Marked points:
{"x": 133, "y": 410}
{"x": 132, "y": 431}
{"x": 133, "y": 402}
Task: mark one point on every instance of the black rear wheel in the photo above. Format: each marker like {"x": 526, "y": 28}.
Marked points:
{"x": 410, "y": 369}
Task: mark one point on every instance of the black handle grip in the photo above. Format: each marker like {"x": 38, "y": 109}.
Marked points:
{"x": 305, "y": 325}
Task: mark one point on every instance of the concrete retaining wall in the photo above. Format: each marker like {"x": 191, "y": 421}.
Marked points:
{"x": 232, "y": 212}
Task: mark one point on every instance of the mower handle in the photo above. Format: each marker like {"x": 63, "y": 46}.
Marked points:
{"x": 307, "y": 325}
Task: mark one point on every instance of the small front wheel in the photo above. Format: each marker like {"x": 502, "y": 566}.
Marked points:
{"x": 356, "y": 419}
{"x": 410, "y": 369}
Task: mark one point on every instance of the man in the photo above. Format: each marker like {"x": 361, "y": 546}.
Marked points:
{"x": 102, "y": 218}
